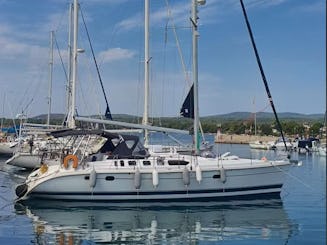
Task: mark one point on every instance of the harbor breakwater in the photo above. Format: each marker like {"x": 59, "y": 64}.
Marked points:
{"x": 242, "y": 138}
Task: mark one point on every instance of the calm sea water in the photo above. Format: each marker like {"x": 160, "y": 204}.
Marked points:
{"x": 298, "y": 217}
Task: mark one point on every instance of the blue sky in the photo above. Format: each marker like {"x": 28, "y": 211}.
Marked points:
{"x": 290, "y": 36}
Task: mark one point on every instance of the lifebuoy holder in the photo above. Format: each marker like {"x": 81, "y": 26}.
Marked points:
{"x": 70, "y": 158}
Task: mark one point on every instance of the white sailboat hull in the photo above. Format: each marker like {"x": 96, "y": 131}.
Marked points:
{"x": 322, "y": 150}
{"x": 8, "y": 148}
{"x": 116, "y": 184}
{"x": 25, "y": 160}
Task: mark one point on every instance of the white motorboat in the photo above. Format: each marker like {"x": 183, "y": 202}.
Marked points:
{"x": 280, "y": 145}
{"x": 261, "y": 145}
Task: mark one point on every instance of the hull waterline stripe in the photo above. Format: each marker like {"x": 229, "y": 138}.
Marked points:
{"x": 156, "y": 193}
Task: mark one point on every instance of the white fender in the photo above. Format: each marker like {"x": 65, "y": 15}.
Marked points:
{"x": 198, "y": 173}
{"x": 222, "y": 175}
{"x": 186, "y": 177}
{"x": 137, "y": 179}
{"x": 93, "y": 178}
{"x": 155, "y": 178}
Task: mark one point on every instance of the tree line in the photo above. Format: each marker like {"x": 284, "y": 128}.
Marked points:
{"x": 268, "y": 127}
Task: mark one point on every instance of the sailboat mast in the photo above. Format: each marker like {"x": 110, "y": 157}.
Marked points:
{"x": 195, "y": 36}
{"x": 50, "y": 76}
{"x": 71, "y": 119}
{"x": 69, "y": 79}
{"x": 146, "y": 71}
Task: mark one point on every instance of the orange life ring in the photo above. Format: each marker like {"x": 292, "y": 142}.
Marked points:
{"x": 69, "y": 158}
{"x": 264, "y": 159}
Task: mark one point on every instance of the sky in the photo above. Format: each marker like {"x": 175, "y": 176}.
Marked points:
{"x": 290, "y": 37}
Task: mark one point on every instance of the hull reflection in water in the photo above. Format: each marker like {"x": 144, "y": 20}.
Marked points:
{"x": 72, "y": 222}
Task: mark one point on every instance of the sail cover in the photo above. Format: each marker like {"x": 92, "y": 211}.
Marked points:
{"x": 187, "y": 109}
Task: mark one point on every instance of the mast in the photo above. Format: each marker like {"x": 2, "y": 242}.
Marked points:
{"x": 195, "y": 35}
{"x": 69, "y": 80}
{"x": 50, "y": 76}
{"x": 146, "y": 71}
{"x": 71, "y": 115}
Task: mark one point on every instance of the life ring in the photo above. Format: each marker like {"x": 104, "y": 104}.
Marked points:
{"x": 69, "y": 158}
{"x": 264, "y": 159}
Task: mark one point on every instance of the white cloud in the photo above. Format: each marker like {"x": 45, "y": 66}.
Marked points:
{"x": 115, "y": 54}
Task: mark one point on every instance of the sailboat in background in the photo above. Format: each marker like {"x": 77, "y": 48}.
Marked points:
{"x": 30, "y": 151}
{"x": 120, "y": 168}
{"x": 259, "y": 144}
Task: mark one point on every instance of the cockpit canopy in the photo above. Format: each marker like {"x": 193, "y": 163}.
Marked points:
{"x": 124, "y": 146}
{"x": 117, "y": 145}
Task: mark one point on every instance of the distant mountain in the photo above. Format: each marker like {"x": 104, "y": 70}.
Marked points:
{"x": 234, "y": 116}
{"x": 54, "y": 116}
{"x": 265, "y": 116}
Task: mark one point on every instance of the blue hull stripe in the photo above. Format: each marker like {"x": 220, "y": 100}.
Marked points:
{"x": 146, "y": 193}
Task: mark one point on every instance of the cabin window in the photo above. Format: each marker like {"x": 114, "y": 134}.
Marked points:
{"x": 87, "y": 177}
{"x": 131, "y": 163}
{"x": 146, "y": 163}
{"x": 110, "y": 178}
{"x": 177, "y": 162}
{"x": 122, "y": 163}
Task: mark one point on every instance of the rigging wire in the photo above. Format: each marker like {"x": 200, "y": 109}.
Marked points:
{"x": 107, "y": 113}
{"x": 187, "y": 77}
{"x": 60, "y": 57}
{"x": 262, "y": 72}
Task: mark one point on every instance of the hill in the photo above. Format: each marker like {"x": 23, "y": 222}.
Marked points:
{"x": 234, "y": 116}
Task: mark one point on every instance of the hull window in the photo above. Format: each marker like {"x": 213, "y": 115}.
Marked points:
{"x": 177, "y": 162}
{"x": 146, "y": 163}
{"x": 131, "y": 163}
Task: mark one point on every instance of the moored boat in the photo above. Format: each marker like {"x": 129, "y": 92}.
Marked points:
{"x": 123, "y": 170}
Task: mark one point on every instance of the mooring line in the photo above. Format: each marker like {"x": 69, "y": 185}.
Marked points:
{"x": 300, "y": 181}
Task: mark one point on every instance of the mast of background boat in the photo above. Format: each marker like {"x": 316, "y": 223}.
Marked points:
{"x": 71, "y": 113}
{"x": 255, "y": 117}
{"x": 146, "y": 71}
{"x": 3, "y": 110}
{"x": 195, "y": 35}
{"x": 50, "y": 77}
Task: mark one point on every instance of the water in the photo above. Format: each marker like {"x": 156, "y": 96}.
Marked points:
{"x": 299, "y": 217}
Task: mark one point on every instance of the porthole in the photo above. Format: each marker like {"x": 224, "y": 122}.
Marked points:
{"x": 110, "y": 178}
{"x": 216, "y": 176}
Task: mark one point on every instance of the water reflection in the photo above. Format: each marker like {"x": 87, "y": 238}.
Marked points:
{"x": 83, "y": 222}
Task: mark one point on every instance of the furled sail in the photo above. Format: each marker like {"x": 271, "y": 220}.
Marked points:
{"x": 187, "y": 109}
{"x": 108, "y": 113}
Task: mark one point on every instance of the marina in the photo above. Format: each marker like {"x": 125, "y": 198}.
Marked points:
{"x": 89, "y": 178}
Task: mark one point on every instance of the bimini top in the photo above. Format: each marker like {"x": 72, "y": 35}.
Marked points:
{"x": 118, "y": 145}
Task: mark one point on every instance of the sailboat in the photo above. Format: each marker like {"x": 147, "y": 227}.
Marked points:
{"x": 29, "y": 153}
{"x": 120, "y": 168}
